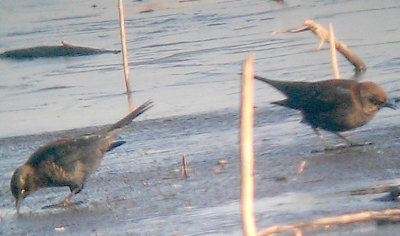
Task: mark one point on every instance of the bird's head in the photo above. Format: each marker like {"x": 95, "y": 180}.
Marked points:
{"x": 22, "y": 184}
{"x": 373, "y": 98}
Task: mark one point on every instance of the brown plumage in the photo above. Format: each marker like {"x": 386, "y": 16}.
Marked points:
{"x": 333, "y": 105}
{"x": 68, "y": 161}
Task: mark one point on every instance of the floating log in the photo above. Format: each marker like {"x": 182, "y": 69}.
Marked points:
{"x": 64, "y": 50}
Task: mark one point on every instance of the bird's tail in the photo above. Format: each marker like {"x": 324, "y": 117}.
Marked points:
{"x": 268, "y": 81}
{"x": 282, "y": 86}
{"x": 115, "y": 145}
{"x": 275, "y": 83}
{"x": 128, "y": 119}
{"x": 108, "y": 134}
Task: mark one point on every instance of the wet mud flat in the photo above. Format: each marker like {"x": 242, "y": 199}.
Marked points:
{"x": 139, "y": 188}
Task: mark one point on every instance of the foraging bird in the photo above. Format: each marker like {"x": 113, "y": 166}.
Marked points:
{"x": 68, "y": 161}
{"x": 333, "y": 105}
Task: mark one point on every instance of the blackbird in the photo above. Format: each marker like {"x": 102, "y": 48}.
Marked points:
{"x": 334, "y": 105}
{"x": 67, "y": 161}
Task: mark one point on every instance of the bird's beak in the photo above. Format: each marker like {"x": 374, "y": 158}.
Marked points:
{"x": 390, "y": 104}
{"x": 18, "y": 202}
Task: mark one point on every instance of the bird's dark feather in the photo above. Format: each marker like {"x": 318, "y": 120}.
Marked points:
{"x": 62, "y": 151}
{"x": 311, "y": 96}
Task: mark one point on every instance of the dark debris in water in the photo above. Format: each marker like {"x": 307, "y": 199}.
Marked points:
{"x": 64, "y": 50}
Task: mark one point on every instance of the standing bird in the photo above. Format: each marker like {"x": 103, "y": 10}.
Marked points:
{"x": 334, "y": 105}
{"x": 68, "y": 161}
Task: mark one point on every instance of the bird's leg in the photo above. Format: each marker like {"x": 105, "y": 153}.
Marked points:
{"x": 350, "y": 143}
{"x": 66, "y": 201}
{"x": 321, "y": 138}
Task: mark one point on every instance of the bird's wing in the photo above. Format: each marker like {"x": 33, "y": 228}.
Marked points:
{"x": 64, "y": 161}
{"x": 86, "y": 148}
{"x": 313, "y": 97}
{"x": 63, "y": 151}
{"x": 332, "y": 93}
{"x": 318, "y": 96}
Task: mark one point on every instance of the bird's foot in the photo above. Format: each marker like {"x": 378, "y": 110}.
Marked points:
{"x": 329, "y": 148}
{"x": 351, "y": 143}
{"x": 360, "y": 144}
{"x": 62, "y": 205}
{"x": 337, "y": 147}
{"x": 342, "y": 146}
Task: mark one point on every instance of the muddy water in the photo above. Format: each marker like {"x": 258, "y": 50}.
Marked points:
{"x": 187, "y": 59}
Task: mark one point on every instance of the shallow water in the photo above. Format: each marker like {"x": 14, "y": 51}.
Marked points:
{"x": 187, "y": 59}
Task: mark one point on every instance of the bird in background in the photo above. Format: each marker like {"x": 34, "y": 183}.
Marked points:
{"x": 67, "y": 161}
{"x": 334, "y": 105}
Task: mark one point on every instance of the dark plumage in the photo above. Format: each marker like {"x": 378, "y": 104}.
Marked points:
{"x": 68, "y": 161}
{"x": 333, "y": 105}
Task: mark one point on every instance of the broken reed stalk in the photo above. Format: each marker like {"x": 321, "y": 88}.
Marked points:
{"x": 335, "y": 66}
{"x": 184, "y": 166}
{"x": 246, "y": 148}
{"x": 341, "y": 47}
{"x": 124, "y": 52}
{"x": 301, "y": 166}
{"x": 323, "y": 36}
{"x": 350, "y": 218}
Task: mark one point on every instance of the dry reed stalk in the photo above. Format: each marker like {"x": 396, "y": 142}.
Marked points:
{"x": 334, "y": 220}
{"x": 184, "y": 166}
{"x": 301, "y": 167}
{"x": 323, "y": 36}
{"x": 246, "y": 148}
{"x": 124, "y": 52}
{"x": 335, "y": 66}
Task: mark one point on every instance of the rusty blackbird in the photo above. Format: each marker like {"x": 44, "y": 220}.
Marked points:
{"x": 334, "y": 105}
{"x": 67, "y": 161}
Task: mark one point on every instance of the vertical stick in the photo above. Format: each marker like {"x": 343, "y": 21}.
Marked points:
{"x": 124, "y": 52}
{"x": 184, "y": 166}
{"x": 246, "y": 148}
{"x": 335, "y": 67}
